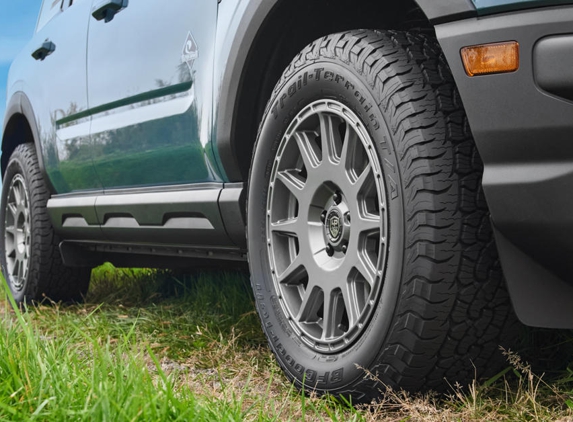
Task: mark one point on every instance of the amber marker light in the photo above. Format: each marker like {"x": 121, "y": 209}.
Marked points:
{"x": 487, "y": 59}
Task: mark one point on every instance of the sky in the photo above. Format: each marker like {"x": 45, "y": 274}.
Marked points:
{"x": 17, "y": 24}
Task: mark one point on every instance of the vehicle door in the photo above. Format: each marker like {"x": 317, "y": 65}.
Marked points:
{"x": 150, "y": 91}
{"x": 56, "y": 84}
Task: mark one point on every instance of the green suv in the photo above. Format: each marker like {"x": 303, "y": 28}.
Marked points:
{"x": 376, "y": 180}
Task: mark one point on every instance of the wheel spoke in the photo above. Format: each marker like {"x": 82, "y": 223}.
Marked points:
{"x": 17, "y": 195}
{"x": 20, "y": 237}
{"x": 291, "y": 182}
{"x": 16, "y": 269}
{"x": 365, "y": 268}
{"x": 293, "y": 273}
{"x": 365, "y": 177}
{"x": 21, "y": 270}
{"x": 308, "y": 149}
{"x": 348, "y": 147}
{"x": 351, "y": 302}
{"x": 368, "y": 224}
{"x": 311, "y": 303}
{"x": 10, "y": 249}
{"x": 289, "y": 227}
{"x": 330, "y": 137}
{"x": 328, "y": 315}
{"x": 11, "y": 230}
{"x": 25, "y": 268}
{"x": 13, "y": 209}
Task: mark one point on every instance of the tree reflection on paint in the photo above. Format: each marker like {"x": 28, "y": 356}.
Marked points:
{"x": 156, "y": 152}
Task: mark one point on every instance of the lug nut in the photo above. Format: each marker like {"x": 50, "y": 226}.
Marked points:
{"x": 347, "y": 217}
{"x": 329, "y": 250}
{"x": 323, "y": 216}
{"x": 337, "y": 198}
{"x": 344, "y": 248}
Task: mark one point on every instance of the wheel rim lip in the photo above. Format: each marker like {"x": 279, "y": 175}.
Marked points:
{"x": 20, "y": 241}
{"x": 337, "y": 343}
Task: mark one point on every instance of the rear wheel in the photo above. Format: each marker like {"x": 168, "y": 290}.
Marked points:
{"x": 29, "y": 254}
{"x": 375, "y": 251}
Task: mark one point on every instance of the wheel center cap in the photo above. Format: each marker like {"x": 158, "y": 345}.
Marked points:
{"x": 334, "y": 225}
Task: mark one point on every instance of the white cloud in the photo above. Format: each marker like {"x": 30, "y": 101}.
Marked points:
{"x": 10, "y": 47}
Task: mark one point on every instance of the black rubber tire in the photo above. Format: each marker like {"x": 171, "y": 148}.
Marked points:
{"x": 445, "y": 307}
{"x": 48, "y": 278}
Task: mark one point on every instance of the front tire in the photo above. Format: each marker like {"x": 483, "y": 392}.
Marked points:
{"x": 29, "y": 253}
{"x": 368, "y": 233}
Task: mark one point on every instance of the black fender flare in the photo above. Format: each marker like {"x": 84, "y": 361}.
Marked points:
{"x": 441, "y": 11}
{"x": 250, "y": 23}
{"x": 20, "y": 104}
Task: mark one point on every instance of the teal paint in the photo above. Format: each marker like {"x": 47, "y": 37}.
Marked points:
{"x": 486, "y": 7}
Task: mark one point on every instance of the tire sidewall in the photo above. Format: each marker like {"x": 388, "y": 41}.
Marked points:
{"x": 323, "y": 79}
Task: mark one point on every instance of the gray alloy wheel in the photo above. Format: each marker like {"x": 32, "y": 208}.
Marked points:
{"x": 326, "y": 225}
{"x": 17, "y": 237}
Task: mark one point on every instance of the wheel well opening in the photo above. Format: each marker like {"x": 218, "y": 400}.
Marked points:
{"x": 289, "y": 28}
{"x": 17, "y": 132}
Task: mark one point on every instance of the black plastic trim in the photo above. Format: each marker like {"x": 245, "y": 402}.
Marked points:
{"x": 20, "y": 104}
{"x": 441, "y": 11}
{"x": 232, "y": 206}
{"x": 540, "y": 299}
{"x": 76, "y": 255}
{"x": 91, "y": 254}
{"x": 183, "y": 217}
{"x": 14, "y": 107}
{"x": 255, "y": 14}
{"x": 75, "y": 217}
{"x": 552, "y": 64}
{"x": 189, "y": 217}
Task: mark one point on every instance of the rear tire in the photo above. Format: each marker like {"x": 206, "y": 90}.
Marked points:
{"x": 29, "y": 253}
{"x": 409, "y": 286}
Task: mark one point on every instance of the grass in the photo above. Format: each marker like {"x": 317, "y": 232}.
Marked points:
{"x": 153, "y": 346}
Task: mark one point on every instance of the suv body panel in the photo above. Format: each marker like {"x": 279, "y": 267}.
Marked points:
{"x": 151, "y": 115}
{"x": 161, "y": 204}
{"x": 64, "y": 92}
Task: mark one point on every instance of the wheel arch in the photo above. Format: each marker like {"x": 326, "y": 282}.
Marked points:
{"x": 19, "y": 128}
{"x": 269, "y": 35}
